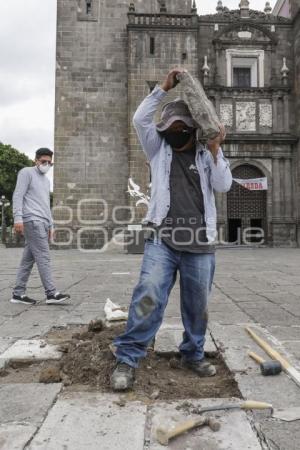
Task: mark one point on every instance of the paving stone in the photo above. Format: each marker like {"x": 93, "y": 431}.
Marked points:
{"x": 31, "y": 350}
{"x": 92, "y": 420}
{"x": 235, "y": 433}
{"x": 15, "y": 436}
{"x": 26, "y": 403}
{"x": 169, "y": 337}
{"x": 285, "y": 435}
{"x": 228, "y": 318}
{"x": 84, "y": 317}
{"x": 278, "y": 390}
{"x": 293, "y": 347}
{"x": 234, "y": 343}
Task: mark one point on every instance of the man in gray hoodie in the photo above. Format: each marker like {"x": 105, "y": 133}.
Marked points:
{"x": 33, "y": 219}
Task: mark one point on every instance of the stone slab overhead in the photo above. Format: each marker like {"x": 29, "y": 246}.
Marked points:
{"x": 31, "y": 350}
{"x": 169, "y": 338}
{"x": 94, "y": 421}
{"x": 235, "y": 433}
{"x": 15, "y": 436}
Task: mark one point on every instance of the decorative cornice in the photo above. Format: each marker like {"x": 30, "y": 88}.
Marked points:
{"x": 262, "y": 138}
{"x": 278, "y": 90}
{"x": 246, "y": 26}
{"x": 235, "y": 14}
{"x": 162, "y": 21}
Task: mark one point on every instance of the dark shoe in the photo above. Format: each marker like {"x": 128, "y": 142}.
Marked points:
{"x": 123, "y": 377}
{"x": 22, "y": 299}
{"x": 57, "y": 298}
{"x": 201, "y": 368}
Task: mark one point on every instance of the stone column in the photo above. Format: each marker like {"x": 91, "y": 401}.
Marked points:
{"x": 286, "y": 113}
{"x": 275, "y": 113}
{"x": 288, "y": 188}
{"x": 217, "y": 76}
{"x": 276, "y": 189}
{"x": 218, "y": 101}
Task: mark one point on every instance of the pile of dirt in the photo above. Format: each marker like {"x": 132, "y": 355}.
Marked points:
{"x": 88, "y": 360}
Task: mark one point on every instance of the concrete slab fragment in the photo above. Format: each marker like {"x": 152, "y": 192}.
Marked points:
{"x": 169, "y": 338}
{"x": 26, "y": 402}
{"x": 15, "y": 436}
{"x": 281, "y": 435}
{"x": 4, "y": 344}
{"x": 31, "y": 350}
{"x": 91, "y": 420}
{"x": 235, "y": 344}
{"x": 235, "y": 433}
{"x": 279, "y": 390}
{"x": 288, "y": 414}
{"x": 284, "y": 333}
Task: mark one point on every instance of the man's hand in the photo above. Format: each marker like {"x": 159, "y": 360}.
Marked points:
{"x": 51, "y": 234}
{"x": 214, "y": 144}
{"x": 19, "y": 228}
{"x": 171, "y": 80}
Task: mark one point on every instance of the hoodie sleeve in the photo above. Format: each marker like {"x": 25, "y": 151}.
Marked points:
{"x": 221, "y": 177}
{"x": 21, "y": 188}
{"x": 143, "y": 121}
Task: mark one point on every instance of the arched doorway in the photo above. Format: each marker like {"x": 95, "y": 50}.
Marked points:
{"x": 246, "y": 209}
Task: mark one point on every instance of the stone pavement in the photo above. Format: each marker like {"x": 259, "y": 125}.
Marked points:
{"x": 256, "y": 287}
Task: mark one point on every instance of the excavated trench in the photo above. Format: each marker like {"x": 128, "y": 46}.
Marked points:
{"x": 87, "y": 363}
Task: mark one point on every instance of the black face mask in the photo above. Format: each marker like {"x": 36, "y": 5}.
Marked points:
{"x": 178, "y": 139}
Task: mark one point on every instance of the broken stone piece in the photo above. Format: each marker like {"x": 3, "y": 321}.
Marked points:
{"x": 201, "y": 108}
{"x": 96, "y": 326}
{"x": 50, "y": 375}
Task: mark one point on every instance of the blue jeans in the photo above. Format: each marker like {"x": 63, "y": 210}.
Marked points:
{"x": 150, "y": 298}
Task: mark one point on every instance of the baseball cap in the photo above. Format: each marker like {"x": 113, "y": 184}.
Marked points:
{"x": 173, "y": 111}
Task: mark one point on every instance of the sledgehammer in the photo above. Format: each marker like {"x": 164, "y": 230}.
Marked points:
{"x": 164, "y": 435}
{"x": 267, "y": 367}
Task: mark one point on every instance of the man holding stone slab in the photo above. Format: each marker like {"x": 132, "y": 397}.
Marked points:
{"x": 182, "y": 217}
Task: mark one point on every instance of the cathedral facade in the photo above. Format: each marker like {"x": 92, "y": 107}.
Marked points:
{"x": 111, "y": 54}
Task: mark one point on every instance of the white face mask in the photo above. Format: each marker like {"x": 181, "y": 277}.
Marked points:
{"x": 44, "y": 168}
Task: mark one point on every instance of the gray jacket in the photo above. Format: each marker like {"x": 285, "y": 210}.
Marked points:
{"x": 213, "y": 176}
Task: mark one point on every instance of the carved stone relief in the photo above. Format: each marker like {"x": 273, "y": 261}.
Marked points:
{"x": 246, "y": 116}
{"x": 226, "y": 114}
{"x": 265, "y": 115}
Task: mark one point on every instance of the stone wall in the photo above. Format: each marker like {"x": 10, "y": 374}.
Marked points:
{"x": 91, "y": 136}
{"x": 172, "y": 6}
{"x": 296, "y": 164}
{"x": 108, "y": 61}
{"x": 172, "y": 48}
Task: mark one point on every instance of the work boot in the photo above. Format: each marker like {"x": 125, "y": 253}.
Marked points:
{"x": 123, "y": 377}
{"x": 201, "y": 368}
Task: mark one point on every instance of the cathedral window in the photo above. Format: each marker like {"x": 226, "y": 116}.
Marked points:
{"x": 242, "y": 77}
{"x": 88, "y": 6}
{"x": 152, "y": 45}
{"x": 88, "y": 10}
{"x": 245, "y": 67}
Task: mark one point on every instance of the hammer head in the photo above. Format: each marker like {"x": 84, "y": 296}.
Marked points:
{"x": 270, "y": 368}
{"x": 213, "y": 424}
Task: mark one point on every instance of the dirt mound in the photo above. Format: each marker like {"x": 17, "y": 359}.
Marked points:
{"x": 88, "y": 360}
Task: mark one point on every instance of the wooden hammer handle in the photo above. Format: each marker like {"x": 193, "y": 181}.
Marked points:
{"x": 256, "y": 357}
{"x": 251, "y": 404}
{"x": 269, "y": 350}
{"x": 164, "y": 435}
